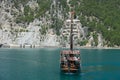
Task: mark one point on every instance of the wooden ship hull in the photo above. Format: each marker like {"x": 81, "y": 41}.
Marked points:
{"x": 70, "y": 61}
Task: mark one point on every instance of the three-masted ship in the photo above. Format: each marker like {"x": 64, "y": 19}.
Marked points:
{"x": 70, "y": 58}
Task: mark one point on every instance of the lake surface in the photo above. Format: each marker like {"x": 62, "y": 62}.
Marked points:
{"x": 43, "y": 64}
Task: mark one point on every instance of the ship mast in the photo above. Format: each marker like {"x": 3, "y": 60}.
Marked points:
{"x": 71, "y": 32}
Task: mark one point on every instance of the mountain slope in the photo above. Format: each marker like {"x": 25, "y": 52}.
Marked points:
{"x": 106, "y": 21}
{"x": 99, "y": 16}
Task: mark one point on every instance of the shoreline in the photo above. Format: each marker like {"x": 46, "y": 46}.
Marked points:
{"x": 39, "y": 46}
{"x": 99, "y": 48}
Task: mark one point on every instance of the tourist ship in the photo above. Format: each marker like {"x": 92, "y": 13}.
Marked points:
{"x": 70, "y": 59}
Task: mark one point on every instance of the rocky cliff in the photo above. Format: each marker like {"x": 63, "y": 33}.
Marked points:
{"x": 26, "y": 22}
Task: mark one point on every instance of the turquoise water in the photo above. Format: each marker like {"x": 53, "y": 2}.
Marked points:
{"x": 43, "y": 64}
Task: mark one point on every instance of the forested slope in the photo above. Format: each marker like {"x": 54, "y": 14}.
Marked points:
{"x": 102, "y": 16}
